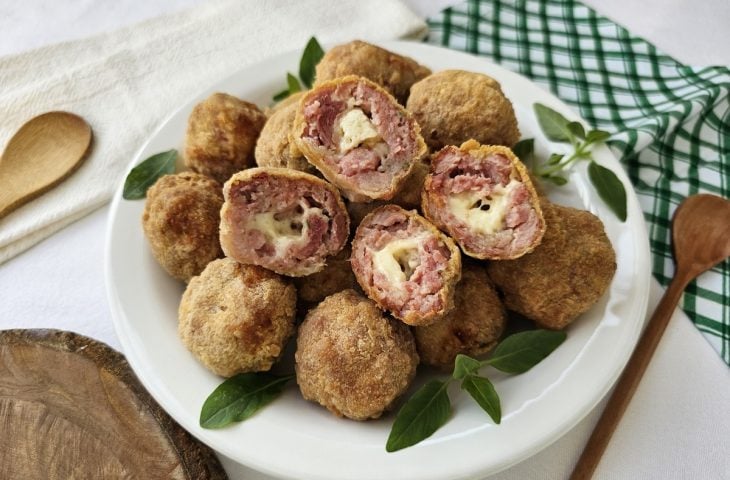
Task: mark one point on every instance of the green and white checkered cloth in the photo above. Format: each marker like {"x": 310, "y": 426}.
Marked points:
{"x": 671, "y": 122}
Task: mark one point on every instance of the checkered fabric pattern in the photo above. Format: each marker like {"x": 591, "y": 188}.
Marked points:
{"x": 671, "y": 122}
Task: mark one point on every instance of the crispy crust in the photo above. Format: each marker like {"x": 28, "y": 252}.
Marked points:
{"x": 433, "y": 203}
{"x": 335, "y": 277}
{"x": 450, "y": 276}
{"x": 473, "y": 327}
{"x": 312, "y": 264}
{"x": 396, "y": 73}
{"x": 221, "y": 136}
{"x": 273, "y": 148}
{"x": 568, "y": 273}
{"x": 453, "y": 106}
{"x": 352, "y": 359}
{"x": 236, "y": 318}
{"x": 180, "y": 222}
{"x": 315, "y": 155}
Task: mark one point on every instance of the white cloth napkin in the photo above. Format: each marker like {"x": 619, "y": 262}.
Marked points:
{"x": 126, "y": 82}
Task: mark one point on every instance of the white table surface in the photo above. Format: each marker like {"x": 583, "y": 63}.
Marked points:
{"x": 678, "y": 425}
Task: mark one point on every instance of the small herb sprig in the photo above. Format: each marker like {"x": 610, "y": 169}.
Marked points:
{"x": 557, "y": 128}
{"x": 311, "y": 56}
{"x": 239, "y": 397}
{"x": 144, "y": 175}
{"x": 430, "y": 408}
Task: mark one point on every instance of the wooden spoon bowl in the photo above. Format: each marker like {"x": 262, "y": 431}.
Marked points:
{"x": 46, "y": 150}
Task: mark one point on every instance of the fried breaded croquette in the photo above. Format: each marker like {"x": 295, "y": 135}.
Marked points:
{"x": 565, "y": 275}
{"x": 335, "y": 277}
{"x": 358, "y": 137}
{"x": 237, "y": 318}
{"x": 352, "y": 359}
{"x": 180, "y": 222}
{"x": 472, "y": 328}
{"x": 221, "y": 136}
{"x": 406, "y": 265}
{"x": 273, "y": 148}
{"x": 453, "y": 106}
{"x": 393, "y": 72}
{"x": 283, "y": 220}
{"x": 483, "y": 197}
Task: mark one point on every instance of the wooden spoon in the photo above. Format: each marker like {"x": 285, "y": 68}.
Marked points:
{"x": 701, "y": 237}
{"x": 46, "y": 150}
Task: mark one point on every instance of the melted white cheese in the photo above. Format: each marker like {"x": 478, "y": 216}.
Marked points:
{"x": 398, "y": 259}
{"x": 469, "y": 207}
{"x": 284, "y": 231}
{"x": 356, "y": 128}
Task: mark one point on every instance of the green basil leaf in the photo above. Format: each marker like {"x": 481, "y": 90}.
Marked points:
{"x": 525, "y": 151}
{"x": 553, "y": 124}
{"x": 424, "y": 413}
{"x": 520, "y": 352}
{"x": 465, "y": 365}
{"x": 311, "y": 56}
{"x": 556, "y": 179}
{"x": 597, "y": 136}
{"x": 555, "y": 158}
{"x": 482, "y": 390}
{"x": 144, "y": 175}
{"x": 577, "y": 129}
{"x": 609, "y": 188}
{"x": 239, "y": 397}
{"x": 281, "y": 95}
{"x": 293, "y": 83}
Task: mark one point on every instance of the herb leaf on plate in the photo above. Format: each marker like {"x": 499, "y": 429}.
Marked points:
{"x": 482, "y": 390}
{"x": 311, "y": 56}
{"x": 424, "y": 413}
{"x": 465, "y": 365}
{"x": 239, "y": 397}
{"x": 553, "y": 124}
{"x": 144, "y": 175}
{"x": 557, "y": 128}
{"x": 609, "y": 188}
{"x": 520, "y": 352}
{"x": 525, "y": 151}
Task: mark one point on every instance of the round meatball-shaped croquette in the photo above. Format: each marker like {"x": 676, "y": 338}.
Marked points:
{"x": 565, "y": 275}
{"x": 453, "y": 106}
{"x": 180, "y": 221}
{"x": 237, "y": 318}
{"x": 358, "y": 137}
{"x": 393, "y": 72}
{"x": 273, "y": 148}
{"x": 335, "y": 277}
{"x": 283, "y": 220}
{"x": 472, "y": 328}
{"x": 406, "y": 265}
{"x": 352, "y": 359}
{"x": 221, "y": 136}
{"x": 483, "y": 197}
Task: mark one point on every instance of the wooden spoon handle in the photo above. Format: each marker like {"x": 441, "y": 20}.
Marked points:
{"x": 629, "y": 380}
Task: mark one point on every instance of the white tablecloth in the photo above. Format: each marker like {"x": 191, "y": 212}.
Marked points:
{"x": 678, "y": 425}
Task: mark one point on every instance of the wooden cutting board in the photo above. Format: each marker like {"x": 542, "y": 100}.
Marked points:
{"x": 71, "y": 407}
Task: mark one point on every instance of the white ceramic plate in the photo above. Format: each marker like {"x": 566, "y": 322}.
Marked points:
{"x": 296, "y": 439}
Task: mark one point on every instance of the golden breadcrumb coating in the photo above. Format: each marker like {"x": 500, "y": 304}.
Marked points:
{"x": 273, "y": 148}
{"x": 221, "y": 136}
{"x": 335, "y": 277}
{"x": 453, "y": 106}
{"x": 393, "y": 72}
{"x": 565, "y": 275}
{"x": 473, "y": 327}
{"x": 352, "y": 359}
{"x": 180, "y": 222}
{"x": 237, "y": 318}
